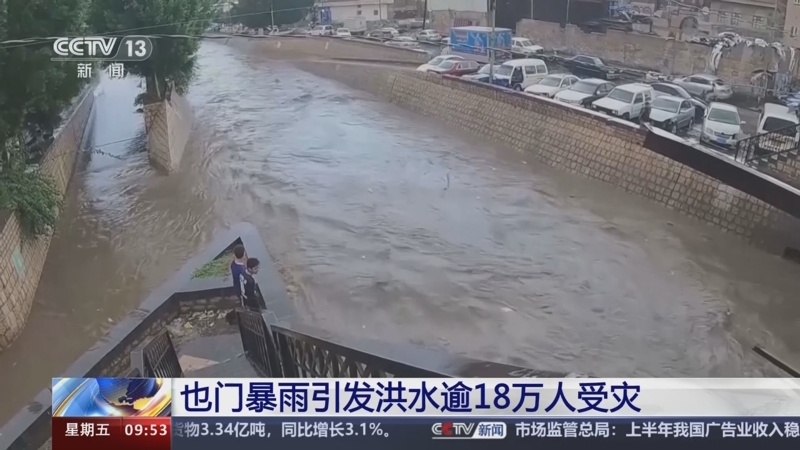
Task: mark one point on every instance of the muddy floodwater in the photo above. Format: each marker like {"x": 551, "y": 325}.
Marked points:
{"x": 395, "y": 227}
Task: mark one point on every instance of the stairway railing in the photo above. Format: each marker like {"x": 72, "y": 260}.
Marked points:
{"x": 765, "y": 145}
{"x": 280, "y": 350}
{"x": 157, "y": 358}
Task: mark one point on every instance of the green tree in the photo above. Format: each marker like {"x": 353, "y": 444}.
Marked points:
{"x": 259, "y": 13}
{"x": 33, "y": 93}
{"x": 173, "y": 59}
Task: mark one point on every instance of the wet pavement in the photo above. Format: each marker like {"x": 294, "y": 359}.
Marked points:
{"x": 396, "y": 227}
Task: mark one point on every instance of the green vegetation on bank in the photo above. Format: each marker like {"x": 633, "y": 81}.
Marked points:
{"x": 218, "y": 267}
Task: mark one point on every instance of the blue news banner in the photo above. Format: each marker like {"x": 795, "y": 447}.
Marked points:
{"x": 354, "y": 433}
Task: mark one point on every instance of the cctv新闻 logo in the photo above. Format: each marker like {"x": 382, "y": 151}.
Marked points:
{"x": 479, "y": 430}
{"x": 92, "y": 47}
{"x": 452, "y": 430}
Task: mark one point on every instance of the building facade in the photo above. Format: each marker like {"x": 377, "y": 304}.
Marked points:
{"x": 791, "y": 29}
{"x": 510, "y": 12}
{"x": 372, "y": 10}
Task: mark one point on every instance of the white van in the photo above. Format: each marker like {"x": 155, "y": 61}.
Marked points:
{"x": 777, "y": 118}
{"x": 626, "y": 101}
{"x": 518, "y": 74}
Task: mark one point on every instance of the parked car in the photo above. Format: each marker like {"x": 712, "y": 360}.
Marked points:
{"x": 389, "y": 32}
{"x": 779, "y": 130}
{"x": 591, "y": 66}
{"x": 456, "y": 67}
{"x": 343, "y": 32}
{"x": 518, "y": 74}
{"x": 322, "y": 30}
{"x": 722, "y": 126}
{"x": 584, "y": 92}
{"x": 482, "y": 74}
{"x": 707, "y": 87}
{"x": 674, "y": 90}
{"x": 376, "y": 34}
{"x": 429, "y": 36}
{"x": 436, "y": 61}
{"x": 552, "y": 84}
{"x": 626, "y": 102}
{"x": 524, "y": 48}
{"x": 670, "y": 113}
{"x": 403, "y": 41}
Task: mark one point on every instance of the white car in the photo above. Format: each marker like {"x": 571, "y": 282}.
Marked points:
{"x": 390, "y": 32}
{"x": 343, "y": 32}
{"x": 322, "y": 30}
{"x": 584, "y": 92}
{"x": 722, "y": 126}
{"x": 429, "y": 36}
{"x": 403, "y": 41}
{"x": 626, "y": 102}
{"x": 552, "y": 84}
{"x": 436, "y": 62}
{"x": 524, "y": 47}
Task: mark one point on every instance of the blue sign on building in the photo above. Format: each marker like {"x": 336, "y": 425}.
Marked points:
{"x": 325, "y": 16}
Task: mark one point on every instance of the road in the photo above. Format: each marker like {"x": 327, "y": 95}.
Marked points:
{"x": 391, "y": 226}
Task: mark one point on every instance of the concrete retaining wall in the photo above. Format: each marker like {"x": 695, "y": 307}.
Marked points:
{"x": 649, "y": 52}
{"x": 288, "y": 47}
{"x": 168, "y": 124}
{"x": 577, "y": 141}
{"x": 22, "y": 259}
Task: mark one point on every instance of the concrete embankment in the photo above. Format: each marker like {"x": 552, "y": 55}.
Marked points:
{"x": 21, "y": 258}
{"x": 577, "y": 141}
{"x": 306, "y": 47}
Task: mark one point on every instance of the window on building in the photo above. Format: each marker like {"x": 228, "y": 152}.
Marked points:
{"x": 793, "y": 31}
{"x": 722, "y": 17}
{"x": 375, "y": 12}
{"x": 735, "y": 17}
{"x": 797, "y": 2}
{"x": 758, "y": 22}
{"x": 358, "y": 13}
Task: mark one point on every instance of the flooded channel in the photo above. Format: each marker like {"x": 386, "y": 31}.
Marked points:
{"x": 390, "y": 226}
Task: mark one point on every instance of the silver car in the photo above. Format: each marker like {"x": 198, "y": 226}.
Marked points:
{"x": 671, "y": 113}
{"x": 708, "y": 87}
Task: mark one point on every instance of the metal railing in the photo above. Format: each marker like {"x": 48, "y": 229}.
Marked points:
{"x": 257, "y": 343}
{"x": 157, "y": 358}
{"x": 778, "y": 142}
{"x": 281, "y": 350}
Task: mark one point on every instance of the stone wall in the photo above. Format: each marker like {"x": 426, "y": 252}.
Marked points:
{"x": 649, "y": 52}
{"x": 168, "y": 124}
{"x": 577, "y": 141}
{"x": 22, "y": 259}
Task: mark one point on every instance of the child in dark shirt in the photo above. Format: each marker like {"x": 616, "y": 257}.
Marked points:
{"x": 238, "y": 267}
{"x": 248, "y": 285}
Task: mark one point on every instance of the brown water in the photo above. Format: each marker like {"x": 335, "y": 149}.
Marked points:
{"x": 395, "y": 227}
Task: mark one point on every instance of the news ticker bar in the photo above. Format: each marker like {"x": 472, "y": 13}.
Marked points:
{"x": 246, "y": 433}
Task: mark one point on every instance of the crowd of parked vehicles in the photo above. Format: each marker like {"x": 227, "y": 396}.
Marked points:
{"x": 681, "y": 106}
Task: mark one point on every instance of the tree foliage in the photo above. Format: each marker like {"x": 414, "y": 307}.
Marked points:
{"x": 259, "y": 13}
{"x": 34, "y": 91}
{"x": 173, "y": 60}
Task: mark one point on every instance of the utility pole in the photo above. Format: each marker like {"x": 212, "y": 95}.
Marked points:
{"x": 490, "y": 10}
{"x": 272, "y": 16}
{"x": 425, "y": 14}
{"x": 567, "y": 19}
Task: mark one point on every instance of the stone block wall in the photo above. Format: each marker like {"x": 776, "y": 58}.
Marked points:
{"x": 168, "y": 124}
{"x": 22, "y": 259}
{"x": 650, "y": 52}
{"x": 594, "y": 146}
